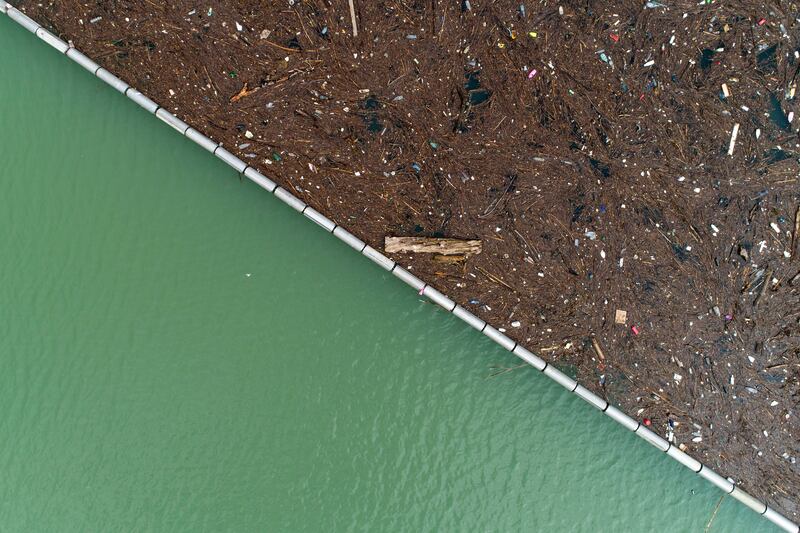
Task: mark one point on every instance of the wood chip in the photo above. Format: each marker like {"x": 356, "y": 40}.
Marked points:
{"x": 449, "y": 258}
{"x": 598, "y": 350}
{"x": 734, "y": 134}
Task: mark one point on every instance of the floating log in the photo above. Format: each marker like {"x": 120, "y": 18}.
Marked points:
{"x": 428, "y": 245}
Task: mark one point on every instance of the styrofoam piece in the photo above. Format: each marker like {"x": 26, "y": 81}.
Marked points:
{"x": 233, "y": 161}
{"x": 407, "y": 277}
{"x": 320, "y": 219}
{"x": 3, "y": 6}
{"x": 716, "y": 479}
{"x": 291, "y": 200}
{"x": 689, "y": 462}
{"x": 590, "y": 397}
{"x": 259, "y": 179}
{"x": 469, "y": 318}
{"x": 620, "y": 417}
{"x": 173, "y": 121}
{"x": 439, "y": 298}
{"x": 141, "y": 100}
{"x": 22, "y": 19}
{"x": 349, "y": 238}
{"x": 652, "y": 438}
{"x": 560, "y": 378}
{"x": 499, "y": 338}
{"x": 530, "y": 358}
{"x": 52, "y": 40}
{"x": 753, "y": 503}
{"x": 82, "y": 60}
{"x": 781, "y": 521}
{"x": 377, "y": 257}
{"x": 112, "y": 80}
{"x": 201, "y": 140}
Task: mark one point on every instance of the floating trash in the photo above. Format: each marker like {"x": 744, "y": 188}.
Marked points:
{"x": 478, "y": 97}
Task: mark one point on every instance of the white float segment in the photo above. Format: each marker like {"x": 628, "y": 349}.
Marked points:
{"x": 621, "y": 418}
{"x": 590, "y": 397}
{"x": 52, "y": 40}
{"x": 469, "y": 318}
{"x": 716, "y": 479}
{"x": 260, "y": 179}
{"x": 82, "y": 60}
{"x": 112, "y": 80}
{"x": 652, "y": 438}
{"x": 237, "y": 164}
{"x": 781, "y": 521}
{"x": 499, "y": 338}
{"x": 201, "y": 140}
{"x": 560, "y": 378}
{"x": 22, "y": 19}
{"x": 686, "y": 460}
{"x": 753, "y": 503}
{"x": 439, "y": 298}
{"x": 171, "y": 120}
{"x": 351, "y": 240}
{"x": 407, "y": 277}
{"x": 529, "y": 357}
{"x": 377, "y": 257}
{"x": 320, "y": 219}
{"x": 289, "y": 199}
{"x": 141, "y": 100}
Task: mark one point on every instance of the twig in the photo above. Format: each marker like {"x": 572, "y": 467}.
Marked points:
{"x": 214, "y": 85}
{"x": 302, "y": 25}
{"x": 353, "y": 18}
{"x": 495, "y": 278}
{"x": 504, "y": 370}
{"x": 796, "y": 230}
{"x": 285, "y": 49}
{"x": 708, "y": 526}
{"x": 244, "y": 92}
{"x": 160, "y": 8}
{"x": 409, "y": 206}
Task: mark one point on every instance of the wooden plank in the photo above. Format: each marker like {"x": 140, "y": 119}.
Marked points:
{"x": 429, "y": 245}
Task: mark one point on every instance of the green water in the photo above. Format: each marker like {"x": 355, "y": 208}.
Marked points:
{"x": 181, "y": 352}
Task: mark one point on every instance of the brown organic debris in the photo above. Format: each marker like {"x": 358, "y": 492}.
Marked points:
{"x": 243, "y": 93}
